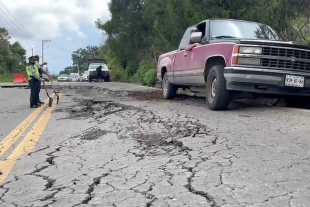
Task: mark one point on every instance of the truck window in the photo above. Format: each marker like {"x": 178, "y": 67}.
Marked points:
{"x": 202, "y": 27}
{"x": 185, "y": 39}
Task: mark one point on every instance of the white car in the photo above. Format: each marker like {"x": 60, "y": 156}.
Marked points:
{"x": 74, "y": 77}
{"x": 84, "y": 77}
{"x": 63, "y": 78}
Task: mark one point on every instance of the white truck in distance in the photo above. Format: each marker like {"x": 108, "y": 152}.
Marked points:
{"x": 93, "y": 64}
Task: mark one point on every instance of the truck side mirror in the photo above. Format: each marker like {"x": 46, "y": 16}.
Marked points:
{"x": 196, "y": 37}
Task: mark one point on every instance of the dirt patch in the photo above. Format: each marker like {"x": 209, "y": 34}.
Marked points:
{"x": 147, "y": 95}
{"x": 94, "y": 108}
{"x": 92, "y": 133}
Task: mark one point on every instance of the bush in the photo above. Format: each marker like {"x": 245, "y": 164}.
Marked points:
{"x": 149, "y": 78}
{"x": 6, "y": 78}
{"x": 117, "y": 72}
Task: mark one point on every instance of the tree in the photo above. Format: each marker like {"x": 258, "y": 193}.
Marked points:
{"x": 12, "y": 57}
{"x": 140, "y": 30}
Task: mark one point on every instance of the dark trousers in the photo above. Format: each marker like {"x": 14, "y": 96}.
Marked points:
{"x": 38, "y": 93}
{"x": 99, "y": 77}
{"x": 34, "y": 91}
{"x": 39, "y": 90}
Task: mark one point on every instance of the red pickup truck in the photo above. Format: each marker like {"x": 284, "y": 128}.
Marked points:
{"x": 235, "y": 56}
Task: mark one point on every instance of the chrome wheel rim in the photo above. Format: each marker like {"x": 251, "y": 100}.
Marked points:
{"x": 165, "y": 86}
{"x": 213, "y": 89}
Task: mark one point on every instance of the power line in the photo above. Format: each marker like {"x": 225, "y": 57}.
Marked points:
{"x": 26, "y": 33}
{"x": 29, "y": 34}
{"x": 14, "y": 27}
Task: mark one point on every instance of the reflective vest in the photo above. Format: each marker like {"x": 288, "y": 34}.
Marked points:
{"x": 37, "y": 64}
{"x": 29, "y": 73}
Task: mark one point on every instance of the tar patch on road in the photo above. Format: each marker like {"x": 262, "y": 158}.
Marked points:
{"x": 92, "y": 133}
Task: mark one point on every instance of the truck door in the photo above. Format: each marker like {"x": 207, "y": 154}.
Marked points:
{"x": 181, "y": 59}
{"x": 193, "y": 75}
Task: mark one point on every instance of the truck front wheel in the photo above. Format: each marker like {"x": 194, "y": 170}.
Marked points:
{"x": 169, "y": 90}
{"x": 218, "y": 97}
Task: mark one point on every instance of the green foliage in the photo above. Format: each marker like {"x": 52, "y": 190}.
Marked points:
{"x": 54, "y": 77}
{"x": 12, "y": 56}
{"x": 6, "y": 78}
{"x": 140, "y": 30}
{"x": 80, "y": 59}
{"x": 149, "y": 78}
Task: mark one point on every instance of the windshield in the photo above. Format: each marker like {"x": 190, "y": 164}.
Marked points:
{"x": 95, "y": 65}
{"x": 240, "y": 29}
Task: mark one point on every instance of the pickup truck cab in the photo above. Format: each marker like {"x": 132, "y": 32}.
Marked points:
{"x": 235, "y": 56}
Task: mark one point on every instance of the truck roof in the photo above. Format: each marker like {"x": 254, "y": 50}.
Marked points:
{"x": 96, "y": 60}
{"x": 211, "y": 19}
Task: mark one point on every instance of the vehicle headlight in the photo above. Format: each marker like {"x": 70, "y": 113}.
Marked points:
{"x": 250, "y": 50}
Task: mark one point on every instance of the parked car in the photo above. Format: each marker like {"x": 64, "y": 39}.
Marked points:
{"x": 63, "y": 78}
{"x": 85, "y": 76}
{"x": 73, "y": 77}
{"x": 235, "y": 56}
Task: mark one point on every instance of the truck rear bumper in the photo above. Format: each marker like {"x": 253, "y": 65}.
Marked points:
{"x": 93, "y": 74}
{"x": 266, "y": 81}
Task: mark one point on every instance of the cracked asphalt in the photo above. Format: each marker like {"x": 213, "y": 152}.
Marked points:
{"x": 120, "y": 145}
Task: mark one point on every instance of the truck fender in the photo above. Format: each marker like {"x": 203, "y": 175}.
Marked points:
{"x": 211, "y": 61}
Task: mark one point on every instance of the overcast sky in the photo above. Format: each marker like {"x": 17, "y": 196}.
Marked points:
{"x": 69, "y": 24}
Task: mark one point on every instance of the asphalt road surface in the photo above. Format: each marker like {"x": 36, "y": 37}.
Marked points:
{"x": 122, "y": 145}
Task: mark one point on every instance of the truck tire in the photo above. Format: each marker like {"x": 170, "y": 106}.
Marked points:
{"x": 169, "y": 90}
{"x": 89, "y": 79}
{"x": 218, "y": 97}
{"x": 107, "y": 79}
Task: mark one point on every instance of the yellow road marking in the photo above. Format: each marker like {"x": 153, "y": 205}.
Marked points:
{"x": 27, "y": 144}
{"x": 17, "y": 132}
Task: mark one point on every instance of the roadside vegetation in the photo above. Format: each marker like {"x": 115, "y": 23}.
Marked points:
{"x": 139, "y": 31}
{"x": 12, "y": 57}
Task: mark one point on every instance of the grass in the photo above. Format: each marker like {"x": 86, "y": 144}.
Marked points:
{"x": 6, "y": 78}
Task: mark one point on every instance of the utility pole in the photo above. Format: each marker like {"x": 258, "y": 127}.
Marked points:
{"x": 32, "y": 51}
{"x": 77, "y": 63}
{"x": 43, "y": 43}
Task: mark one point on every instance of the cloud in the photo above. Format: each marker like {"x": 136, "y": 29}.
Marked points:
{"x": 66, "y": 22}
{"x": 51, "y": 18}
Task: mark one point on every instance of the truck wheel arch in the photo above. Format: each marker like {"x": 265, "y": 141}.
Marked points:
{"x": 211, "y": 61}
{"x": 163, "y": 71}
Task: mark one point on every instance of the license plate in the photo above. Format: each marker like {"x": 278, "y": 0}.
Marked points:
{"x": 294, "y": 81}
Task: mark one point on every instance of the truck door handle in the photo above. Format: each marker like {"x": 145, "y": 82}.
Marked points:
{"x": 185, "y": 55}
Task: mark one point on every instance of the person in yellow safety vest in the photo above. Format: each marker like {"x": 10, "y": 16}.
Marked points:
{"x": 34, "y": 82}
{"x": 41, "y": 71}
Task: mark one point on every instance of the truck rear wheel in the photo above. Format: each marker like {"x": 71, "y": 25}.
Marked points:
{"x": 218, "y": 97}
{"x": 89, "y": 79}
{"x": 169, "y": 90}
